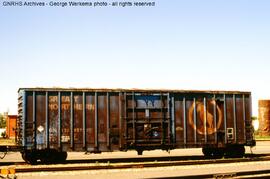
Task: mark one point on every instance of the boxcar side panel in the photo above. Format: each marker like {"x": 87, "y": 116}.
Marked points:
{"x": 114, "y": 116}
{"x": 29, "y": 121}
{"x": 230, "y": 128}
{"x": 78, "y": 121}
{"x": 90, "y": 121}
{"x": 240, "y": 119}
{"x": 190, "y": 122}
{"x": 65, "y": 121}
{"x": 40, "y": 120}
{"x": 210, "y": 119}
{"x": 180, "y": 133}
{"x": 87, "y": 120}
{"x": 53, "y": 112}
{"x": 220, "y": 137}
{"x": 102, "y": 122}
{"x": 248, "y": 123}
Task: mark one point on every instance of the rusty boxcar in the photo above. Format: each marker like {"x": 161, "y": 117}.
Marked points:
{"x": 52, "y": 121}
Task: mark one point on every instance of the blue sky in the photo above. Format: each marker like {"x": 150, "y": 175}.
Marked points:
{"x": 183, "y": 44}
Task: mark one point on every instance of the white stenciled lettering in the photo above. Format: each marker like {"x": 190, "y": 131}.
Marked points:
{"x": 53, "y": 106}
{"x": 76, "y": 99}
{"x": 53, "y": 99}
{"x": 78, "y": 107}
{"x": 90, "y": 107}
{"x": 65, "y": 106}
{"x": 65, "y": 99}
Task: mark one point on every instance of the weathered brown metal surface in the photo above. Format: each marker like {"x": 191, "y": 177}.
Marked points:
{"x": 202, "y": 119}
{"x": 264, "y": 117}
{"x": 53, "y": 113}
{"x": 120, "y": 119}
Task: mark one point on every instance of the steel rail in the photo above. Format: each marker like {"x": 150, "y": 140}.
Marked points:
{"x": 108, "y": 165}
{"x": 240, "y": 174}
{"x": 134, "y": 159}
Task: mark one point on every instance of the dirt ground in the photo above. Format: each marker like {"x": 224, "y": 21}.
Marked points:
{"x": 151, "y": 172}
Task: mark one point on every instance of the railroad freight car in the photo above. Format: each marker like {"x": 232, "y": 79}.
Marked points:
{"x": 53, "y": 121}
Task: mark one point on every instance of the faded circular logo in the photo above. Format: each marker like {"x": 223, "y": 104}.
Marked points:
{"x": 201, "y": 116}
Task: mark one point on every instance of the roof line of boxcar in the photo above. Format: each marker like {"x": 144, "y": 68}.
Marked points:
{"x": 131, "y": 90}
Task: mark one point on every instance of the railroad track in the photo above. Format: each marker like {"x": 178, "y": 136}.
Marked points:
{"x": 145, "y": 164}
{"x": 136, "y": 159}
{"x": 242, "y": 174}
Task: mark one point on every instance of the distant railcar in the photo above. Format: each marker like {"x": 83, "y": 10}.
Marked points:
{"x": 52, "y": 121}
{"x": 11, "y": 123}
{"x": 264, "y": 117}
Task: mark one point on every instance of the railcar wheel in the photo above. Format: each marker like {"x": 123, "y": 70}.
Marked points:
{"x": 53, "y": 156}
{"x": 30, "y": 157}
{"x": 61, "y": 156}
{"x": 235, "y": 151}
{"x": 48, "y": 157}
{"x": 23, "y": 156}
{"x": 207, "y": 152}
{"x": 242, "y": 151}
{"x": 218, "y": 153}
{"x": 213, "y": 152}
